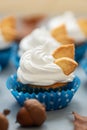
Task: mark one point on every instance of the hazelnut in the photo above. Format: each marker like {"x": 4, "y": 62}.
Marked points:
{"x": 3, "y": 122}
{"x": 33, "y": 113}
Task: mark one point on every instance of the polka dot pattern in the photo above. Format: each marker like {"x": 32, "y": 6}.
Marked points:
{"x": 52, "y": 99}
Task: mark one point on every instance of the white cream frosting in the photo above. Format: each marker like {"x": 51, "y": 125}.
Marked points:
{"x": 38, "y": 37}
{"x": 37, "y": 67}
{"x": 3, "y": 43}
{"x": 71, "y": 24}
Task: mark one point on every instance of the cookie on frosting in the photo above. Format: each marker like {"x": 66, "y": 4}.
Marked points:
{"x": 60, "y": 34}
{"x": 83, "y": 25}
{"x": 61, "y": 30}
{"x": 64, "y": 51}
{"x": 64, "y": 39}
{"x": 64, "y": 57}
{"x": 68, "y": 65}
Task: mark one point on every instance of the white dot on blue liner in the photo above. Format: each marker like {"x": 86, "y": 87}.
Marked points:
{"x": 77, "y": 86}
{"x": 59, "y": 99}
{"x": 66, "y": 95}
{"x": 59, "y": 93}
{"x": 72, "y": 90}
{"x": 44, "y": 96}
{"x": 19, "y": 93}
{"x": 12, "y": 76}
{"x": 51, "y": 95}
{"x": 36, "y": 96}
{"x": 67, "y": 100}
{"x": 17, "y": 96}
{"x": 11, "y": 90}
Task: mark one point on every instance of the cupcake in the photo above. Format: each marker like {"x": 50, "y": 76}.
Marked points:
{"x": 41, "y": 36}
{"x": 76, "y": 29}
{"x": 46, "y": 74}
{"x": 7, "y": 35}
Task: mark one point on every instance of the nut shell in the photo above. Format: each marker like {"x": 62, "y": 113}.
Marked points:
{"x": 32, "y": 114}
{"x": 36, "y": 110}
{"x": 23, "y": 117}
{"x": 3, "y": 122}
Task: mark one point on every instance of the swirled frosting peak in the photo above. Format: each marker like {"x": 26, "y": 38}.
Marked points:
{"x": 38, "y": 37}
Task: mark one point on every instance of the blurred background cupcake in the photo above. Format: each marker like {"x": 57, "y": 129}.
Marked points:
{"x": 24, "y": 26}
{"x": 27, "y": 24}
{"x": 7, "y": 36}
{"x": 76, "y": 29}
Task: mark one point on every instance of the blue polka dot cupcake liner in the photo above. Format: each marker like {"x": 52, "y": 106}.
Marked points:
{"x": 15, "y": 58}
{"x": 4, "y": 57}
{"x": 80, "y": 51}
{"x": 83, "y": 64}
{"x": 53, "y": 99}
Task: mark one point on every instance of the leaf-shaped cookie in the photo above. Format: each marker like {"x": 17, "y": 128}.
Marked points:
{"x": 9, "y": 21}
{"x": 64, "y": 39}
{"x": 8, "y": 28}
{"x": 64, "y": 51}
{"x": 83, "y": 25}
{"x": 61, "y": 30}
{"x": 9, "y": 33}
{"x": 60, "y": 34}
{"x": 68, "y": 65}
